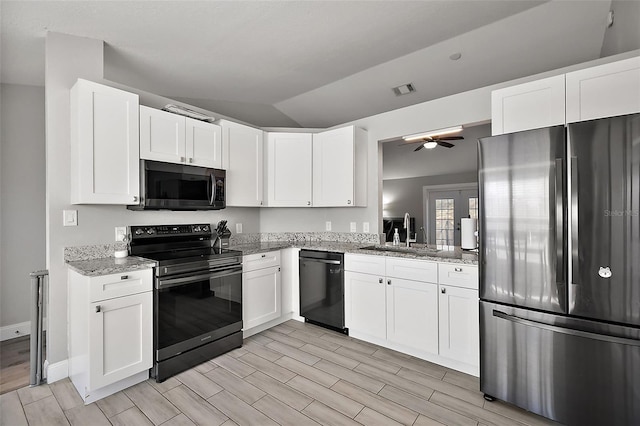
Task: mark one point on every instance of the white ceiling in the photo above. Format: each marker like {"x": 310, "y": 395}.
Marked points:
{"x": 308, "y": 63}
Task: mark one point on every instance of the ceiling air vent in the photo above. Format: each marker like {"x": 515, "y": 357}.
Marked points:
{"x": 404, "y": 89}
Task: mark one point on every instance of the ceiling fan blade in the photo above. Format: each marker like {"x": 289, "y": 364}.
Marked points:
{"x": 419, "y": 148}
{"x": 450, "y": 138}
{"x": 446, "y": 144}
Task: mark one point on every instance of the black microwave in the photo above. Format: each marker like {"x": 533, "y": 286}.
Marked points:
{"x": 168, "y": 186}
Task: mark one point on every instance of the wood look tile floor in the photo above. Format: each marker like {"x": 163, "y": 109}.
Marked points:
{"x": 293, "y": 374}
{"x": 14, "y": 364}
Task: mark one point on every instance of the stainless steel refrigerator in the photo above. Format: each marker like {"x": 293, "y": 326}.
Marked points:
{"x": 560, "y": 270}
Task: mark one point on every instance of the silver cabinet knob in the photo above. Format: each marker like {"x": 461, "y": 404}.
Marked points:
{"x": 348, "y": 201}
{"x": 135, "y": 198}
{"x": 458, "y": 269}
{"x": 443, "y": 290}
{"x": 124, "y": 277}
{"x": 264, "y": 255}
{"x": 190, "y": 160}
{"x": 98, "y": 309}
{"x": 380, "y": 280}
{"x": 308, "y": 203}
{"x": 182, "y": 159}
{"x": 388, "y": 282}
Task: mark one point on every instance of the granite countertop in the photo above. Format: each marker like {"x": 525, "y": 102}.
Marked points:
{"x": 110, "y": 265}
{"x": 454, "y": 256}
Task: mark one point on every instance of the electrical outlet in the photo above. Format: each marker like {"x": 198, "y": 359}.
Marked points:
{"x": 121, "y": 232}
{"x": 238, "y": 228}
{"x": 327, "y": 226}
{"x": 365, "y": 226}
{"x": 70, "y": 217}
{"x": 352, "y": 227}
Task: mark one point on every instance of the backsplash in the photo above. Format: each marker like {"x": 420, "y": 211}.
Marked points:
{"x": 342, "y": 237}
{"x": 98, "y": 251}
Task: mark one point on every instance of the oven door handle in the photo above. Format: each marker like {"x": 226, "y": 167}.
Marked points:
{"x": 173, "y": 282}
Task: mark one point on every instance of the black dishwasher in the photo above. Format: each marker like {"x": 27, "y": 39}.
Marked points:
{"x": 322, "y": 289}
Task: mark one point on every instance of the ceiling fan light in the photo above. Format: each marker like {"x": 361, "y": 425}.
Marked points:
{"x": 430, "y": 145}
{"x": 433, "y": 133}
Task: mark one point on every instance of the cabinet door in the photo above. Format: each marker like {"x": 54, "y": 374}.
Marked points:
{"x": 528, "y": 106}
{"x": 203, "y": 143}
{"x": 604, "y": 91}
{"x": 289, "y": 169}
{"x": 104, "y": 145}
{"x": 333, "y": 168}
{"x": 412, "y": 314}
{"x": 242, "y": 158}
{"x": 364, "y": 304}
{"x": 459, "y": 324}
{"x": 162, "y": 135}
{"x": 261, "y": 297}
{"x": 120, "y": 338}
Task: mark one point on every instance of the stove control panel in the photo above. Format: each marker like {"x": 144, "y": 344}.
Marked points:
{"x": 139, "y": 232}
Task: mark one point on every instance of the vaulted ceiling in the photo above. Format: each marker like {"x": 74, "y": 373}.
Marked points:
{"x": 310, "y": 63}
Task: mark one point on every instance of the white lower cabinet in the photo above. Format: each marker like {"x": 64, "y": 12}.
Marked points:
{"x": 365, "y": 301}
{"x": 261, "y": 289}
{"x": 459, "y": 324}
{"x": 110, "y": 338}
{"x": 412, "y": 314}
{"x": 420, "y": 307}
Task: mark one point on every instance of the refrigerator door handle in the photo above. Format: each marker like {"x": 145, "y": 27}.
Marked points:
{"x": 573, "y": 274}
{"x": 569, "y": 331}
{"x": 560, "y": 222}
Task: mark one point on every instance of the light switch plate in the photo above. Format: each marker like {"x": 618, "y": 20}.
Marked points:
{"x": 70, "y": 217}
{"x": 238, "y": 228}
{"x": 352, "y": 227}
{"x": 121, "y": 232}
{"x": 365, "y": 226}
{"x": 327, "y": 226}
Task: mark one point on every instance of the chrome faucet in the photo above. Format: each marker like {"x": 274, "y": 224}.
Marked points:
{"x": 407, "y": 224}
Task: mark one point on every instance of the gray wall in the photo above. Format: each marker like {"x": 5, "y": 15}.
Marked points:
{"x": 400, "y": 196}
{"x": 22, "y": 212}
{"x": 624, "y": 35}
{"x": 69, "y": 58}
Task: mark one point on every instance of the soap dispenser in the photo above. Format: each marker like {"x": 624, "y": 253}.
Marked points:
{"x": 396, "y": 238}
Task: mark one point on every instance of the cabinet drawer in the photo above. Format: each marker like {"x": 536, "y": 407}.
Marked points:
{"x": 253, "y": 262}
{"x": 365, "y": 264}
{"x": 118, "y": 285}
{"x": 459, "y": 275}
{"x": 409, "y": 269}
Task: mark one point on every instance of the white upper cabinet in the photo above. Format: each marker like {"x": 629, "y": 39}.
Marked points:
{"x": 104, "y": 145}
{"x": 528, "y": 106}
{"x": 597, "y": 92}
{"x": 177, "y": 139}
{"x": 203, "y": 143}
{"x": 604, "y": 91}
{"x": 340, "y": 168}
{"x": 242, "y": 158}
{"x": 289, "y": 166}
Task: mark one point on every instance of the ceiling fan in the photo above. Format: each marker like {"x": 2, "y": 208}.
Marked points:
{"x": 434, "y": 138}
{"x": 432, "y": 142}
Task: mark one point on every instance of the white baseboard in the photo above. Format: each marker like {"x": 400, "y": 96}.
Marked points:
{"x": 15, "y": 330}
{"x": 57, "y": 371}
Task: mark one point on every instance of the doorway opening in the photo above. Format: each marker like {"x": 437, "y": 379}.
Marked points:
{"x": 444, "y": 207}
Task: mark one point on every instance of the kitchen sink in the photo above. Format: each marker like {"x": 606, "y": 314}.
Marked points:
{"x": 422, "y": 251}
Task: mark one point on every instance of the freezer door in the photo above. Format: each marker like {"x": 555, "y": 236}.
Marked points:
{"x": 604, "y": 175}
{"x": 577, "y": 372}
{"x": 522, "y": 219}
